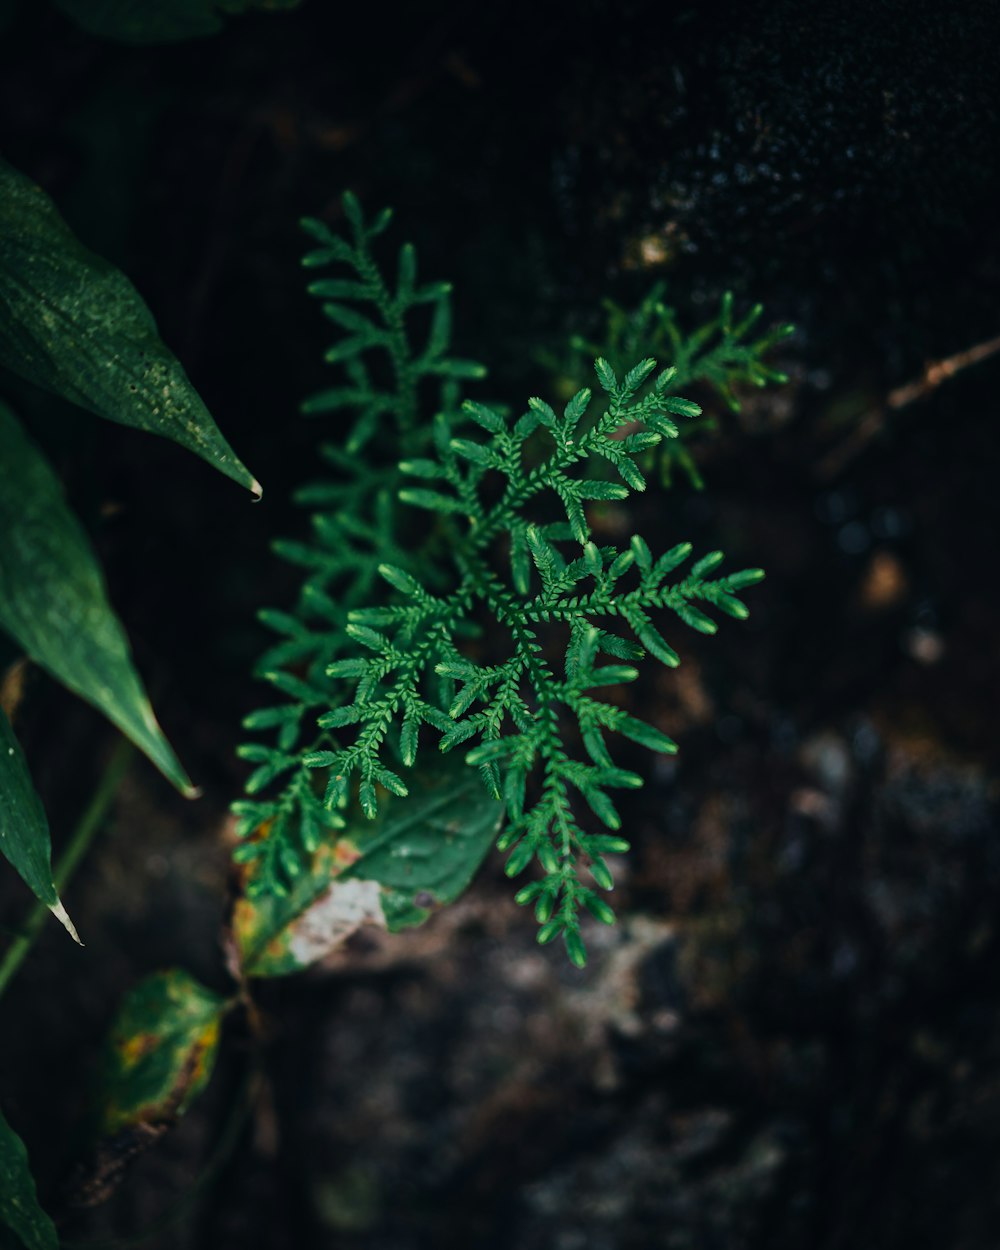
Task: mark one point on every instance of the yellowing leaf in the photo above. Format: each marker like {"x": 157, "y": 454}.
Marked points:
{"x": 420, "y": 852}
{"x": 160, "y": 1054}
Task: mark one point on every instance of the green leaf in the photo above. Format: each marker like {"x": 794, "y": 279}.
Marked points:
{"x": 707, "y": 563}
{"x": 605, "y": 374}
{"x": 598, "y": 908}
{"x": 19, "y": 1209}
{"x": 746, "y": 577}
{"x": 399, "y": 578}
{"x": 24, "y": 831}
{"x": 575, "y": 948}
{"x": 165, "y": 21}
{"x": 160, "y": 1052}
{"x": 419, "y": 853}
{"x": 73, "y": 324}
{"x": 681, "y": 407}
{"x": 53, "y": 601}
{"x": 647, "y": 735}
{"x": 432, "y": 500}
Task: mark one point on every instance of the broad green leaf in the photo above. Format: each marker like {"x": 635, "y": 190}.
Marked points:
{"x": 74, "y": 324}
{"x": 421, "y": 852}
{"x": 158, "y": 21}
{"x": 24, "y": 831}
{"x": 53, "y": 601}
{"x": 160, "y": 1053}
{"x": 19, "y": 1209}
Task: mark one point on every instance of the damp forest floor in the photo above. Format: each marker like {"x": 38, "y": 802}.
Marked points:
{"x": 792, "y": 1039}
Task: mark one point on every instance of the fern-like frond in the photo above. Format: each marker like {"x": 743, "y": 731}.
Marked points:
{"x": 724, "y": 354}
{"x": 525, "y": 561}
{"x": 371, "y": 315}
{"x": 453, "y": 590}
{"x": 387, "y": 384}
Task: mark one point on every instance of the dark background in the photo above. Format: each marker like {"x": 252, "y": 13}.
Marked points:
{"x": 793, "y": 1038}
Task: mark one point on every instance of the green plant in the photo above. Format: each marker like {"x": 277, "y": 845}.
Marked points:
{"x": 478, "y": 605}
{"x": 74, "y": 325}
{"x": 459, "y": 585}
{"x": 719, "y": 355}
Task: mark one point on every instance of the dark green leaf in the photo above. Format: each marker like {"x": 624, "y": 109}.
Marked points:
{"x": 452, "y": 368}
{"x": 53, "y": 601}
{"x": 647, "y": 735}
{"x": 695, "y": 618}
{"x": 519, "y": 858}
{"x": 19, "y": 1209}
{"x": 73, "y": 324}
{"x": 682, "y": 407}
{"x": 598, "y": 908}
{"x": 638, "y": 374}
{"x": 707, "y": 563}
{"x": 746, "y": 577}
{"x": 432, "y": 500}
{"x": 575, "y": 948}
{"x": 605, "y": 374}
{"x": 24, "y": 831}
{"x": 731, "y": 606}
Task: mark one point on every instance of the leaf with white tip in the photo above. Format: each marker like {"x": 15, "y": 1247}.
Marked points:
{"x": 24, "y": 830}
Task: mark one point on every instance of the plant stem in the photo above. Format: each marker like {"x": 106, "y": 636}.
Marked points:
{"x": 87, "y": 826}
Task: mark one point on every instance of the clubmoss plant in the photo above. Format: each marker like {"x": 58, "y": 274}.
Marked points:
{"x": 456, "y": 594}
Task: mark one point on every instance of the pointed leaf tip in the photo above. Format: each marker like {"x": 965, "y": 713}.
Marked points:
{"x": 62, "y": 915}
{"x": 72, "y": 323}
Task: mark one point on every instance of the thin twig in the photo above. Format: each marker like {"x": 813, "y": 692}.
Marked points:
{"x": 873, "y": 421}
{"x": 89, "y": 824}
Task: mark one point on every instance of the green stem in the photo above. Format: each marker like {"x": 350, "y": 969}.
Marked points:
{"x": 88, "y": 825}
